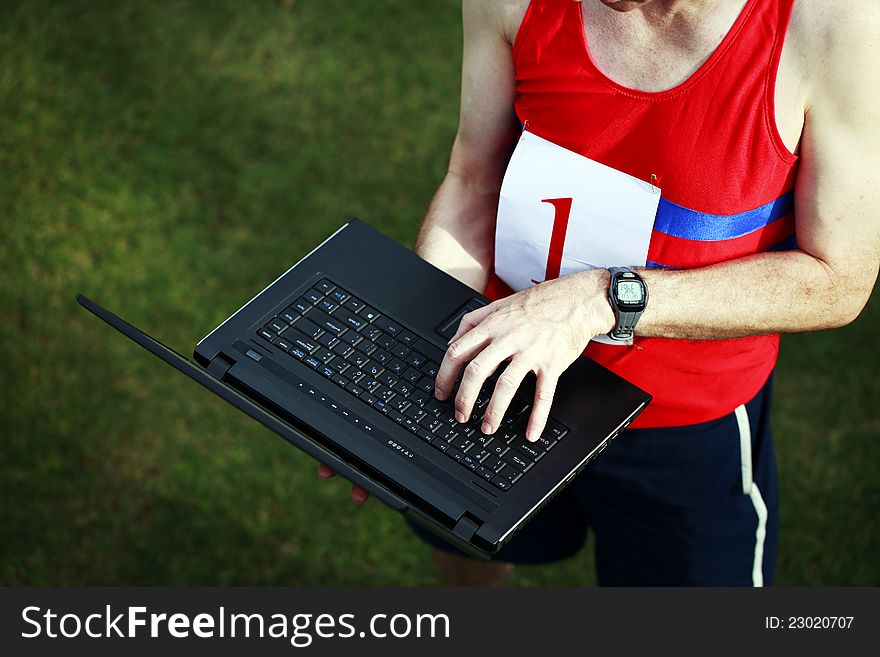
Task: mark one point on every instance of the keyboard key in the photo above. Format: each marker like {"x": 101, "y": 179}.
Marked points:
{"x": 328, "y": 340}
{"x": 470, "y": 462}
{"x": 372, "y": 333}
{"x": 353, "y": 389}
{"x": 354, "y": 374}
{"x": 288, "y": 316}
{"x": 479, "y": 453}
{"x": 327, "y": 305}
{"x": 381, "y": 406}
{"x": 312, "y": 362}
{"x": 485, "y": 473}
{"x": 429, "y": 350}
{"x": 276, "y": 325}
{"x": 384, "y": 341}
{"x": 323, "y": 355}
{"x": 462, "y": 443}
{"x": 419, "y": 397}
{"x": 370, "y": 314}
{"x": 426, "y": 385}
{"x": 354, "y": 305}
{"x": 416, "y": 359}
{"x": 425, "y": 435}
{"x": 388, "y": 326}
{"x": 454, "y": 454}
{"x": 405, "y": 388}
{"x": 435, "y": 406}
{"x": 555, "y": 430}
{"x": 301, "y": 340}
{"x": 368, "y": 383}
{"x": 381, "y": 356}
{"x": 501, "y": 482}
{"x": 383, "y": 393}
{"x": 339, "y": 365}
{"x": 399, "y": 350}
{"x": 327, "y": 371}
{"x": 266, "y": 334}
{"x": 339, "y": 295}
{"x": 397, "y": 417}
{"x": 516, "y": 408}
{"x": 387, "y": 378}
{"x": 431, "y": 423}
{"x": 511, "y": 473}
{"x": 360, "y": 359}
{"x": 351, "y": 338}
{"x": 340, "y": 380}
{"x": 300, "y": 306}
{"x": 442, "y": 445}
{"x": 367, "y": 397}
{"x": 412, "y": 375}
{"x": 308, "y": 328}
{"x": 324, "y": 286}
{"x": 396, "y": 366}
{"x": 400, "y": 404}
{"x": 314, "y": 296}
{"x": 430, "y": 369}
{"x": 407, "y": 338}
{"x": 342, "y": 348}
{"x": 415, "y": 413}
{"x": 529, "y": 449}
{"x": 492, "y": 462}
{"x": 298, "y": 352}
{"x": 518, "y": 459}
{"x": 349, "y": 319}
{"x": 498, "y": 448}
{"x": 326, "y": 322}
{"x": 411, "y": 425}
{"x": 545, "y": 442}
{"x": 367, "y": 346}
{"x": 374, "y": 369}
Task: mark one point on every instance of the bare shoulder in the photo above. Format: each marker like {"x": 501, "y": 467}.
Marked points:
{"x": 501, "y": 16}
{"x": 836, "y": 46}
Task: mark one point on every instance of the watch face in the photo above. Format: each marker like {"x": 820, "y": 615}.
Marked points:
{"x": 630, "y": 292}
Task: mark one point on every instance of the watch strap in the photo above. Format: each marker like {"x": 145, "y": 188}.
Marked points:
{"x": 625, "y": 326}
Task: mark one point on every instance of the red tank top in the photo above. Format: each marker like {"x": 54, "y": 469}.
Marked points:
{"x": 725, "y": 175}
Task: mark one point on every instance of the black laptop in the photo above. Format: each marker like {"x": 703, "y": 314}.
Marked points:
{"x": 338, "y": 356}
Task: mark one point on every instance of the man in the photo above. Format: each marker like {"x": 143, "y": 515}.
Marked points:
{"x": 739, "y": 111}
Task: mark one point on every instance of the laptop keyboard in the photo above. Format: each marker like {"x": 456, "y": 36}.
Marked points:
{"x": 375, "y": 359}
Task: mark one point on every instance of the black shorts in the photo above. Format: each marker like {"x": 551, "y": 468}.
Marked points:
{"x": 693, "y": 505}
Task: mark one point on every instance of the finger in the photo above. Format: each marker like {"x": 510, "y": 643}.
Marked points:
{"x": 544, "y": 391}
{"x": 470, "y": 320}
{"x": 475, "y": 374}
{"x": 457, "y": 354}
{"x": 358, "y": 495}
{"x": 507, "y": 385}
{"x": 324, "y": 472}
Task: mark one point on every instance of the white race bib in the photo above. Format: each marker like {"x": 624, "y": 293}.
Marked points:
{"x": 560, "y": 213}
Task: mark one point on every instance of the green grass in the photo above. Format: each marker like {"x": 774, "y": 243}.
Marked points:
{"x": 170, "y": 158}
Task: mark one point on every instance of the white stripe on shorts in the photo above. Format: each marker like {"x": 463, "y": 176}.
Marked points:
{"x": 750, "y": 488}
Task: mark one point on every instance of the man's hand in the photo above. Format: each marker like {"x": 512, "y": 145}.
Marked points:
{"x": 542, "y": 329}
{"x": 358, "y": 494}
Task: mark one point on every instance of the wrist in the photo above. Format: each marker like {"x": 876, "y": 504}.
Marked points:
{"x": 599, "y": 316}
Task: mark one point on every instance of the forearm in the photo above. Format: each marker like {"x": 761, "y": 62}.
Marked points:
{"x": 457, "y": 234}
{"x": 766, "y": 293}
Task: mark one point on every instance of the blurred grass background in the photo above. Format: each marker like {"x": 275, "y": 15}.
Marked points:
{"x": 171, "y": 158}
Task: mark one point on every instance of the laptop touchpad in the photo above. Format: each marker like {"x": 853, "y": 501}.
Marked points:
{"x": 449, "y": 326}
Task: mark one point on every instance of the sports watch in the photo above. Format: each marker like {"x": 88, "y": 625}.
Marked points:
{"x": 628, "y": 297}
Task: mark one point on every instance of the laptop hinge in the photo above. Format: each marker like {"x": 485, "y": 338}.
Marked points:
{"x": 466, "y": 527}
{"x": 219, "y": 366}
